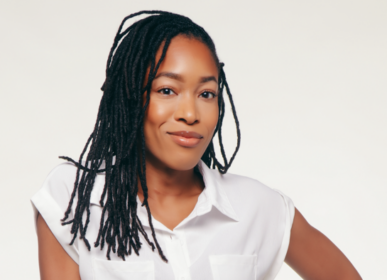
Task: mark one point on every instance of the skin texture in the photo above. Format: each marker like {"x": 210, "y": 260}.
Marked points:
{"x": 313, "y": 256}
{"x": 184, "y": 98}
{"x": 54, "y": 262}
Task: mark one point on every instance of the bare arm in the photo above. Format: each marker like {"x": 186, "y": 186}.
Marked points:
{"x": 54, "y": 262}
{"x": 313, "y": 256}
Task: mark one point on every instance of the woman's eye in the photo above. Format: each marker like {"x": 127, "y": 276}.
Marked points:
{"x": 166, "y": 91}
{"x": 207, "y": 95}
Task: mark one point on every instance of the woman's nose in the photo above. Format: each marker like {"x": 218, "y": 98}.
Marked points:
{"x": 187, "y": 109}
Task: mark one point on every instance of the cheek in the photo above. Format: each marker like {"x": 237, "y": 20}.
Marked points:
{"x": 157, "y": 113}
{"x": 211, "y": 115}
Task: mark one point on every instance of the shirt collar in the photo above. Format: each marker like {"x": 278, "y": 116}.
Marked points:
{"x": 214, "y": 193}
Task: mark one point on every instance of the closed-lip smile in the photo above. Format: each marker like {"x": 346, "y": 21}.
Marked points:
{"x": 184, "y": 138}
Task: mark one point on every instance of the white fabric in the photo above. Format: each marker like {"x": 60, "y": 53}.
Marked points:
{"x": 239, "y": 229}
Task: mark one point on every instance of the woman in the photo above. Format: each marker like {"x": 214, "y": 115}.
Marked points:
{"x": 146, "y": 184}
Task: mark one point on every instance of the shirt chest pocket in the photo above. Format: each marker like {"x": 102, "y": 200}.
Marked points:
{"x": 231, "y": 267}
{"x": 123, "y": 270}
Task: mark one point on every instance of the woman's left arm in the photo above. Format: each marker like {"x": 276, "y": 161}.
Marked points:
{"x": 313, "y": 256}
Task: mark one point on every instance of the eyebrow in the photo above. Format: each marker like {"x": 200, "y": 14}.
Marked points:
{"x": 208, "y": 79}
{"x": 180, "y": 78}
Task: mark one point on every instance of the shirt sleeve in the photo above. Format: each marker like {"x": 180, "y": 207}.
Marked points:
{"x": 52, "y": 200}
{"x": 288, "y": 212}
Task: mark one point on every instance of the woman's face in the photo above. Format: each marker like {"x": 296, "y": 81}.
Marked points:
{"x": 183, "y": 110}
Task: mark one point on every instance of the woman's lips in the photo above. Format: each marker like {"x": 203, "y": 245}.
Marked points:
{"x": 186, "y": 138}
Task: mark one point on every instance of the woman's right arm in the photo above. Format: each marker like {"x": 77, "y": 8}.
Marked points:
{"x": 54, "y": 262}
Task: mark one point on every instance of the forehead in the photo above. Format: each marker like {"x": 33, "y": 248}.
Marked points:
{"x": 188, "y": 52}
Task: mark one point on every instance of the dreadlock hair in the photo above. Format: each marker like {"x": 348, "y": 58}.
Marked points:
{"x": 118, "y": 136}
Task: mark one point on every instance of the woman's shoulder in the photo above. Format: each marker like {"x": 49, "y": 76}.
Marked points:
{"x": 249, "y": 194}
{"x": 52, "y": 200}
{"x": 57, "y": 187}
{"x": 247, "y": 187}
{"x": 61, "y": 178}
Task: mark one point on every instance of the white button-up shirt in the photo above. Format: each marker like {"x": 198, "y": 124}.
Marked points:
{"x": 238, "y": 230}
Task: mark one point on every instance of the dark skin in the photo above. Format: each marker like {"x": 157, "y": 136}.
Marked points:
{"x": 187, "y": 102}
{"x": 313, "y": 256}
{"x": 54, "y": 262}
{"x": 183, "y": 98}
{"x": 169, "y": 202}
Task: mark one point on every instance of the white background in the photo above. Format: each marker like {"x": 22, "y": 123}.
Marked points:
{"x": 308, "y": 79}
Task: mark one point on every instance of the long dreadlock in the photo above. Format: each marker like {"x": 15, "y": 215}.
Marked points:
{"x": 118, "y": 136}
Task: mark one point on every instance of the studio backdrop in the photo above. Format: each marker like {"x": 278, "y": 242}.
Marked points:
{"x": 309, "y": 84}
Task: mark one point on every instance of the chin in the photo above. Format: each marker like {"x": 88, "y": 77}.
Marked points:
{"x": 183, "y": 164}
{"x": 175, "y": 160}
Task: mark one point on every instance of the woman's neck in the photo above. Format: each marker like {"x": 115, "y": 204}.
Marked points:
{"x": 172, "y": 194}
{"x": 163, "y": 181}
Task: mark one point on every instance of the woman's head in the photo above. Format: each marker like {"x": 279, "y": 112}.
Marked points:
{"x": 183, "y": 111}
{"x": 163, "y": 78}
{"x": 133, "y": 64}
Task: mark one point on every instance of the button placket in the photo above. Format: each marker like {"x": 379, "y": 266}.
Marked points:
{"x": 178, "y": 256}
